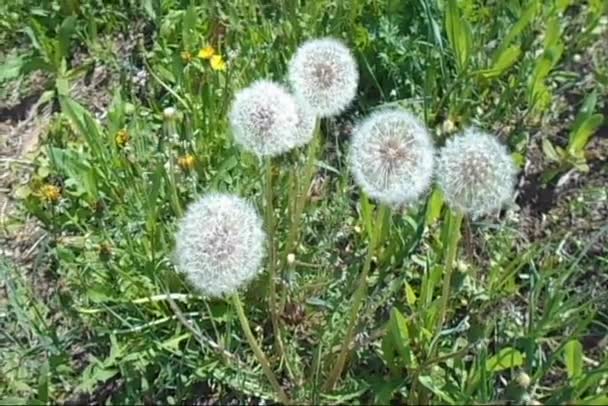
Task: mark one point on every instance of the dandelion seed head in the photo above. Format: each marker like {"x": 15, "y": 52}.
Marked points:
{"x": 220, "y": 244}
{"x": 392, "y": 157}
{"x": 264, "y": 118}
{"x": 323, "y": 73}
{"x": 476, "y": 173}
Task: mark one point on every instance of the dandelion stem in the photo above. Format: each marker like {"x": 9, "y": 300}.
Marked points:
{"x": 270, "y": 229}
{"x": 301, "y": 195}
{"x": 454, "y": 220}
{"x": 358, "y": 300}
{"x": 259, "y": 354}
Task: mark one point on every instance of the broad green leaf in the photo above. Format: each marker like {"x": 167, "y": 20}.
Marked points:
{"x": 601, "y": 400}
{"x": 580, "y": 138}
{"x": 410, "y": 295}
{"x": 459, "y": 34}
{"x": 43, "y": 384}
{"x": 64, "y": 36}
{"x": 11, "y": 68}
{"x": 77, "y": 168}
{"x": 562, "y": 5}
{"x": 399, "y": 334}
{"x": 524, "y": 21}
{"x": 433, "y": 209}
{"x": 507, "y": 358}
{"x": 552, "y": 33}
{"x": 431, "y": 383}
{"x": 550, "y": 151}
{"x": 367, "y": 214}
{"x": 585, "y": 125}
{"x": 573, "y": 358}
{"x": 505, "y": 60}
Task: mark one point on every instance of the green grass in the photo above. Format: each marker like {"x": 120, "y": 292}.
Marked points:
{"x": 92, "y": 315}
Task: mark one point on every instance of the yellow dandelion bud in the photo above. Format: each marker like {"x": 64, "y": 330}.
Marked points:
{"x": 206, "y": 53}
{"x": 186, "y": 162}
{"x": 218, "y": 63}
{"x": 122, "y": 138}
{"x": 186, "y": 56}
{"x": 50, "y": 193}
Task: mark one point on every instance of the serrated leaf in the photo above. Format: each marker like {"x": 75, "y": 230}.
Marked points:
{"x": 507, "y": 358}
{"x": 573, "y": 358}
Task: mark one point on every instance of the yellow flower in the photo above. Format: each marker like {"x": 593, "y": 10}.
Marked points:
{"x": 206, "y": 53}
{"x": 186, "y": 56}
{"x": 218, "y": 63}
{"x": 122, "y": 138}
{"x": 50, "y": 193}
{"x": 186, "y": 162}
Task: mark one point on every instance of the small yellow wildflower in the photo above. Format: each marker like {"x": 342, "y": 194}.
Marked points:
{"x": 218, "y": 63}
{"x": 186, "y": 56}
{"x": 122, "y": 138}
{"x": 186, "y": 162}
{"x": 206, "y": 53}
{"x": 50, "y": 193}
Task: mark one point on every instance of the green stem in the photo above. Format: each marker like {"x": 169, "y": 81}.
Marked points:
{"x": 357, "y": 301}
{"x": 270, "y": 229}
{"x": 259, "y": 354}
{"x": 301, "y": 195}
{"x": 453, "y": 237}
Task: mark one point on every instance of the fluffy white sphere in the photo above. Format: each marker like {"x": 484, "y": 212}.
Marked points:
{"x": 323, "y": 73}
{"x": 220, "y": 244}
{"x": 264, "y": 119}
{"x": 476, "y": 173}
{"x": 392, "y": 157}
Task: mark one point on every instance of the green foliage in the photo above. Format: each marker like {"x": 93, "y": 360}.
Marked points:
{"x": 121, "y": 326}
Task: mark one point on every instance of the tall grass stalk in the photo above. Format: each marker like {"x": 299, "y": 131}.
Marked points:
{"x": 259, "y": 354}
{"x": 300, "y": 198}
{"x": 270, "y": 230}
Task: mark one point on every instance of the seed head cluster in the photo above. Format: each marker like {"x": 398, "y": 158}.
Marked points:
{"x": 392, "y": 157}
{"x": 220, "y": 244}
{"x": 476, "y": 173}
{"x": 264, "y": 118}
{"x": 323, "y": 74}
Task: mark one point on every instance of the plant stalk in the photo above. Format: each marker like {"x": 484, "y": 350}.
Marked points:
{"x": 270, "y": 230}
{"x": 301, "y": 191}
{"x": 259, "y": 354}
{"x": 357, "y": 301}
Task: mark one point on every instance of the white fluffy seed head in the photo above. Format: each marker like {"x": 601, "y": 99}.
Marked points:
{"x": 323, "y": 73}
{"x": 476, "y": 173}
{"x": 220, "y": 244}
{"x": 392, "y": 157}
{"x": 264, "y": 119}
